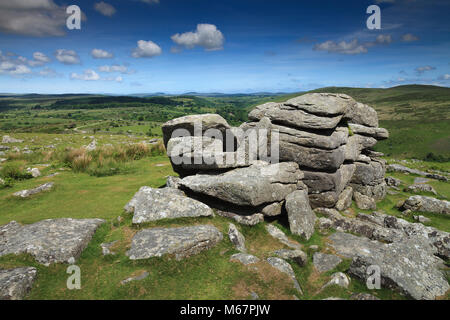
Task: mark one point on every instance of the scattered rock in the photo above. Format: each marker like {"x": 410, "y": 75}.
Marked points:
{"x": 420, "y": 180}
{"x": 244, "y": 258}
{"x": 273, "y": 209}
{"x": 106, "y": 248}
{"x": 26, "y": 193}
{"x": 34, "y": 172}
{"x": 254, "y": 295}
{"x": 48, "y": 241}
{"x": 249, "y": 220}
{"x": 392, "y": 182}
{"x": 236, "y": 238}
{"x": 286, "y": 268}
{"x": 150, "y": 204}
{"x": 339, "y": 279}
{"x": 92, "y": 146}
{"x": 345, "y": 199}
{"x": 325, "y": 262}
{"x": 403, "y": 169}
{"x": 364, "y": 202}
{"x": 421, "y": 187}
{"x": 427, "y": 204}
{"x": 363, "y": 296}
{"x": 16, "y": 283}
{"x": 137, "y": 278}
{"x": 182, "y": 242}
{"x": 8, "y": 139}
{"x": 280, "y": 236}
{"x": 422, "y": 219}
{"x": 301, "y": 217}
{"x": 297, "y": 255}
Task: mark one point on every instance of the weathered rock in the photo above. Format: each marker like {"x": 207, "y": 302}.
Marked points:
{"x": 403, "y": 169}
{"x": 297, "y": 255}
{"x": 338, "y": 279}
{"x": 137, "y": 278}
{"x": 258, "y": 184}
{"x": 422, "y": 219}
{"x": 292, "y": 117}
{"x": 345, "y": 199}
{"x": 244, "y": 258}
{"x": 4, "y": 148}
{"x": 427, "y": 204}
{"x": 363, "y": 296}
{"x": 322, "y": 104}
{"x": 236, "y": 238}
{"x": 181, "y": 242}
{"x": 364, "y": 202}
{"x": 286, "y": 268}
{"x": 206, "y": 121}
{"x": 314, "y": 158}
{"x": 368, "y": 174}
{"x": 360, "y": 113}
{"x": 325, "y": 224}
{"x": 150, "y": 204}
{"x": 408, "y": 266}
{"x": 26, "y": 193}
{"x": 34, "y": 172}
{"x": 106, "y": 248}
{"x": 421, "y": 187}
{"x": 325, "y": 181}
{"x": 16, "y": 283}
{"x": 392, "y": 182}
{"x": 48, "y": 241}
{"x": 273, "y": 209}
{"x": 301, "y": 217}
{"x": 356, "y": 144}
{"x": 173, "y": 182}
{"x": 8, "y": 139}
{"x": 280, "y": 236}
{"x": 92, "y": 146}
{"x": 248, "y": 220}
{"x": 376, "y": 192}
{"x": 377, "y": 133}
{"x": 421, "y": 180}
{"x": 325, "y": 262}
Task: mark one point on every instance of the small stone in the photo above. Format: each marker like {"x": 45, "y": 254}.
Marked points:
{"x": 340, "y": 279}
{"x": 286, "y": 268}
{"x": 137, "y": 278}
{"x": 236, "y": 238}
{"x": 106, "y": 248}
{"x": 297, "y": 255}
{"x": 244, "y": 258}
{"x": 422, "y": 219}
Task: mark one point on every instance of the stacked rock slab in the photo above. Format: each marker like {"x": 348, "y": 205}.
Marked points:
{"x": 330, "y": 137}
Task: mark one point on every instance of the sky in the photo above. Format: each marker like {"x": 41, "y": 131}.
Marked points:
{"x": 232, "y": 46}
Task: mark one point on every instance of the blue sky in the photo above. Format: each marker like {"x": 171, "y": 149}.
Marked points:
{"x": 176, "y": 46}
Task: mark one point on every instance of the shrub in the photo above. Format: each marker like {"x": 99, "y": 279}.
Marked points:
{"x": 14, "y": 171}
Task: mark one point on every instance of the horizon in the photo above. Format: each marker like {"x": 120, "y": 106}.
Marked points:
{"x": 176, "y": 47}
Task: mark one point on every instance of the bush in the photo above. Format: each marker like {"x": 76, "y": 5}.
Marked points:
{"x": 14, "y": 171}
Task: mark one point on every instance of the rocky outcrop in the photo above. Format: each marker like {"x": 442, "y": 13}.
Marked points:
{"x": 427, "y": 204}
{"x": 150, "y": 204}
{"x": 180, "y": 242}
{"x": 408, "y": 266}
{"x": 300, "y": 215}
{"x": 48, "y": 241}
{"x": 420, "y": 187}
{"x": 16, "y": 283}
{"x": 403, "y": 169}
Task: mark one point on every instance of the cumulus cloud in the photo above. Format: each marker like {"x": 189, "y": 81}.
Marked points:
{"x": 87, "y": 75}
{"x": 115, "y": 68}
{"x": 409, "y": 37}
{"x": 16, "y": 65}
{"x": 32, "y": 17}
{"x": 421, "y": 70}
{"x": 146, "y": 49}
{"x": 67, "y": 56}
{"x": 206, "y": 36}
{"x": 105, "y": 9}
{"x": 343, "y": 47}
{"x": 101, "y": 54}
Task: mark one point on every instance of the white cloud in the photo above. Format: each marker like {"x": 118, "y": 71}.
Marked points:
{"x": 445, "y": 77}
{"x": 343, "y": 47}
{"x": 48, "y": 72}
{"x": 206, "y": 36}
{"x": 32, "y": 18}
{"x": 16, "y": 65}
{"x": 105, "y": 9}
{"x": 409, "y": 37}
{"x": 39, "y": 59}
{"x": 67, "y": 56}
{"x": 114, "y": 68}
{"x": 421, "y": 70}
{"x": 101, "y": 54}
{"x": 146, "y": 49}
{"x": 87, "y": 75}
{"x": 384, "y": 39}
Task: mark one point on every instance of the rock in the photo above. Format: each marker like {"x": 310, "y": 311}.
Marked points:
{"x": 137, "y": 278}
{"x": 392, "y": 182}
{"x": 236, "y": 238}
{"x": 26, "y": 193}
{"x": 244, "y": 258}
{"x": 301, "y": 217}
{"x": 258, "y": 184}
{"x": 421, "y": 187}
{"x": 254, "y": 295}
{"x": 297, "y": 255}
{"x": 325, "y": 262}
{"x": 403, "y": 169}
{"x": 48, "y": 241}
{"x": 422, "y": 219}
{"x": 181, "y": 242}
{"x": 8, "y": 139}
{"x": 376, "y": 192}
{"x": 368, "y": 174}
{"x": 106, "y": 248}
{"x": 322, "y": 104}
{"x": 313, "y": 158}
{"x": 273, "y": 209}
{"x": 34, "y": 172}
{"x": 16, "y": 283}
{"x": 173, "y": 182}
{"x": 92, "y": 146}
{"x": 420, "y": 180}
{"x": 314, "y": 247}
{"x": 427, "y": 204}
{"x": 286, "y": 268}
{"x": 187, "y": 123}
{"x": 345, "y": 199}
{"x": 4, "y": 148}
{"x": 408, "y": 266}
{"x": 329, "y": 181}
{"x": 280, "y": 236}
{"x": 360, "y": 113}
{"x": 249, "y": 220}
{"x": 150, "y": 204}
{"x": 325, "y": 224}
{"x": 339, "y": 279}
{"x": 364, "y": 202}
{"x": 363, "y": 296}
{"x": 377, "y": 133}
